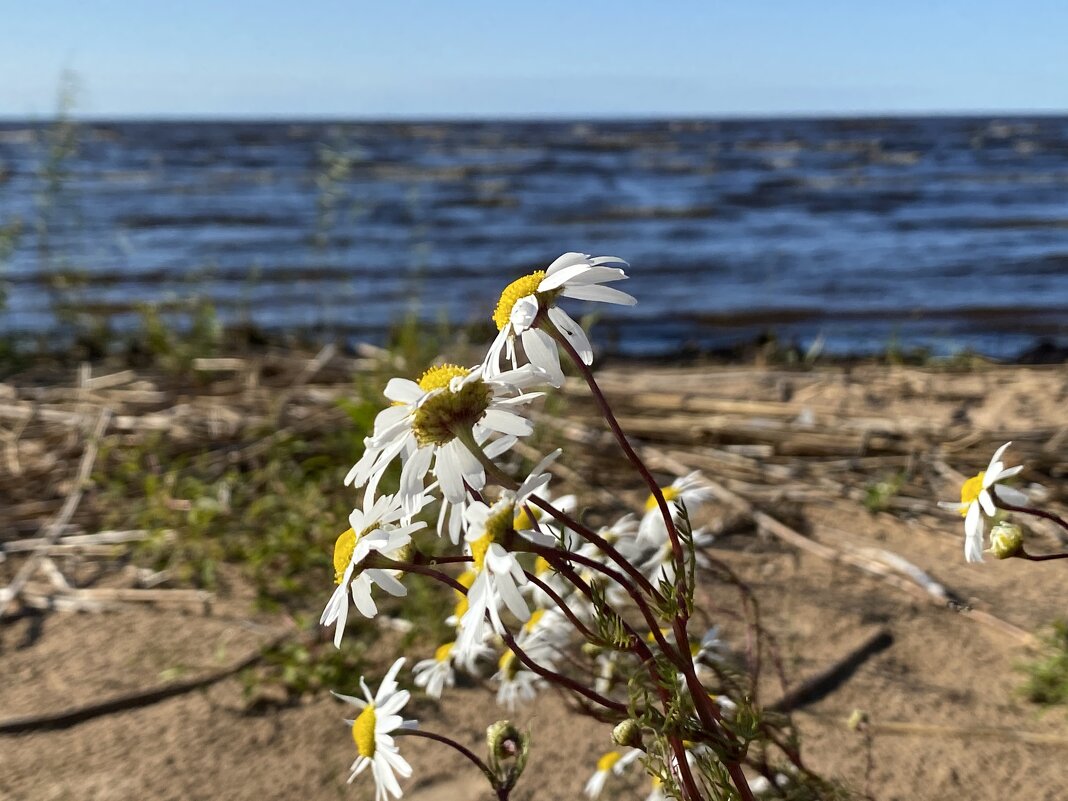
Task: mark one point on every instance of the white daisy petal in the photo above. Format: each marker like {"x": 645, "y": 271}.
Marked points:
{"x": 507, "y": 423}
{"x": 574, "y": 334}
{"x": 602, "y": 294}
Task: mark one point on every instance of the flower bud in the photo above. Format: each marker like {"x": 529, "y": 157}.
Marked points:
{"x": 627, "y": 734}
{"x": 1006, "y": 540}
{"x": 505, "y": 743}
{"x": 591, "y": 649}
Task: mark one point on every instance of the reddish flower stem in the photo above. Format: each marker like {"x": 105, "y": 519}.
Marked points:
{"x": 559, "y": 678}
{"x": 632, "y": 456}
{"x": 1027, "y": 510}
{"x": 441, "y": 738}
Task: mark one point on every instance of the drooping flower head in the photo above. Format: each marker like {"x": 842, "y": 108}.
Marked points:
{"x": 371, "y": 732}
{"x": 498, "y": 574}
{"x": 517, "y": 315}
{"x": 379, "y": 527}
{"x": 689, "y": 490}
{"x": 976, "y": 501}
{"x": 610, "y": 763}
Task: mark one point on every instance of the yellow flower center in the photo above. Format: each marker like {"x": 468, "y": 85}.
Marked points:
{"x": 479, "y": 548}
{"x": 442, "y": 654}
{"x": 437, "y": 417}
{"x": 535, "y": 616}
{"x": 541, "y": 565}
{"x": 670, "y": 494}
{"x": 440, "y": 376}
{"x": 508, "y": 664}
{"x": 343, "y": 548}
{"x": 363, "y": 731}
{"x": 497, "y": 525}
{"x": 465, "y": 580}
{"x": 969, "y": 493}
{"x": 520, "y": 288}
{"x": 524, "y": 520}
{"x": 608, "y": 761}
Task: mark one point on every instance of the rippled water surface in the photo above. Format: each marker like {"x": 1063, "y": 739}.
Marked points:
{"x": 944, "y": 232}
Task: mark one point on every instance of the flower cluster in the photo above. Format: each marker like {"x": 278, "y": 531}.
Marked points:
{"x": 542, "y": 600}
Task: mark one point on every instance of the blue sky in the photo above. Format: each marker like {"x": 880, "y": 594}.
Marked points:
{"x": 257, "y": 58}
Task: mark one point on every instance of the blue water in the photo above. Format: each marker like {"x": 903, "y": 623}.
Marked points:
{"x": 943, "y": 232}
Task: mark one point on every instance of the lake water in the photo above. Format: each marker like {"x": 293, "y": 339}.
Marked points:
{"x": 943, "y": 232}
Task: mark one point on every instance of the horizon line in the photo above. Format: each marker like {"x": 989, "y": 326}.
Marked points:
{"x": 300, "y": 117}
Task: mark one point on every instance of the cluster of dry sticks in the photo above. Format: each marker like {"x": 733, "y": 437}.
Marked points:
{"x": 53, "y": 428}
{"x": 769, "y": 441}
{"x": 763, "y": 437}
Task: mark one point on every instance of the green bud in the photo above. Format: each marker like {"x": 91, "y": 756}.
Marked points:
{"x": 506, "y": 743}
{"x": 1006, "y": 540}
{"x": 591, "y": 649}
{"x": 627, "y": 734}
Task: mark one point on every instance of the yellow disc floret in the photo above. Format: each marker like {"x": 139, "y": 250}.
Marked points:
{"x": 520, "y": 288}
{"x": 363, "y": 732}
{"x": 526, "y": 518}
{"x": 343, "y": 548}
{"x": 465, "y": 580}
{"x": 439, "y": 416}
{"x": 541, "y": 566}
{"x": 969, "y": 493}
{"x": 442, "y": 654}
{"x": 479, "y": 548}
{"x": 440, "y": 376}
{"x": 535, "y": 617}
{"x": 498, "y": 524}
{"x": 670, "y": 494}
{"x": 608, "y": 761}
{"x": 508, "y": 665}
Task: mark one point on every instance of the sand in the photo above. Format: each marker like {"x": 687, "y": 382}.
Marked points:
{"x": 944, "y": 668}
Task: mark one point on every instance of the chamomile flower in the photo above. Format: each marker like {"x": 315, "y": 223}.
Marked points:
{"x": 372, "y": 732}
{"x": 660, "y": 564}
{"x": 976, "y": 500}
{"x": 690, "y": 490}
{"x": 421, "y": 428}
{"x": 439, "y": 672}
{"x": 374, "y": 528}
{"x": 610, "y": 763}
{"x": 573, "y": 275}
{"x": 498, "y": 574}
{"x": 656, "y": 793}
{"x": 541, "y": 638}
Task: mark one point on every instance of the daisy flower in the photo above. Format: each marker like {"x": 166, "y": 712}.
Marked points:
{"x": 422, "y": 424}
{"x": 689, "y": 490}
{"x": 976, "y": 500}
{"x": 439, "y": 672}
{"x": 498, "y": 574}
{"x": 656, "y": 793}
{"x": 573, "y": 275}
{"x": 541, "y": 638}
{"x": 372, "y": 529}
{"x": 372, "y": 729}
{"x": 611, "y": 763}
{"x": 660, "y": 566}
